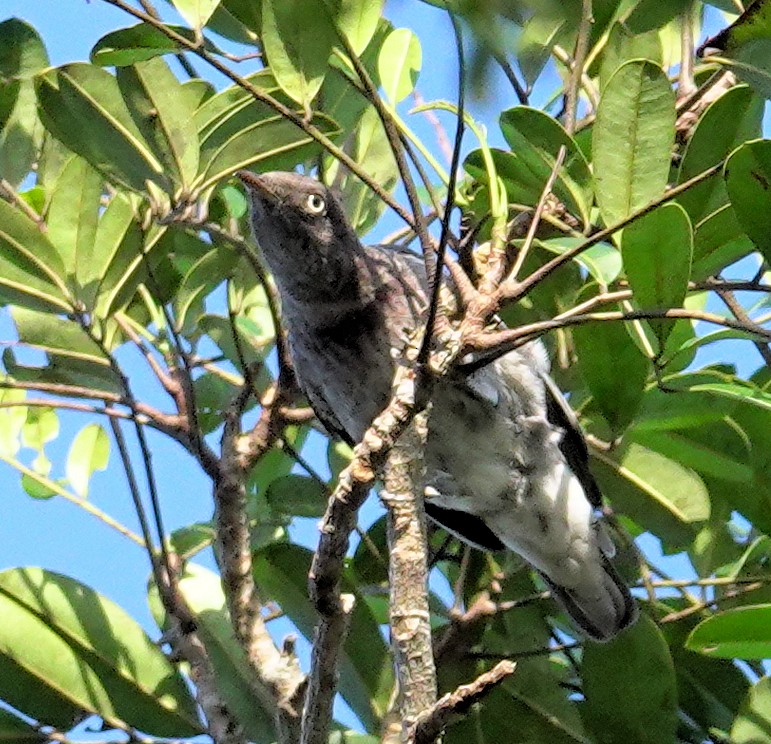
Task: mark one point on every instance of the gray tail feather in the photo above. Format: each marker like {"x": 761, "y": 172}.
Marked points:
{"x": 599, "y": 625}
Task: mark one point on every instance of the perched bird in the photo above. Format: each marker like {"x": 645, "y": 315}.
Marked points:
{"x": 507, "y": 466}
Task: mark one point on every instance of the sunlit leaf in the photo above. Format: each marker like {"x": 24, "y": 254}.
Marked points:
{"x": 162, "y": 115}
{"x": 89, "y": 451}
{"x": 297, "y": 36}
{"x": 64, "y": 648}
{"x": 741, "y": 633}
{"x": 753, "y": 722}
{"x": 633, "y": 139}
{"x": 196, "y": 12}
{"x": 399, "y": 64}
{"x": 625, "y": 44}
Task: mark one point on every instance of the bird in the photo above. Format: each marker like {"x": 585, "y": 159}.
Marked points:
{"x": 507, "y": 466}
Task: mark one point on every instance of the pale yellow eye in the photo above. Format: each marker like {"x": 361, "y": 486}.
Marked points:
{"x": 315, "y": 204}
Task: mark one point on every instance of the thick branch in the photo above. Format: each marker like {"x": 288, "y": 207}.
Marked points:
{"x": 408, "y": 572}
{"x": 322, "y": 683}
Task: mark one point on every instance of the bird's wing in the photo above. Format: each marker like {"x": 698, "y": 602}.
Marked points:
{"x": 326, "y": 415}
{"x": 572, "y": 445}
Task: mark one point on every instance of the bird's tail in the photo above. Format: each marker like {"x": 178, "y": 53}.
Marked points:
{"x": 603, "y": 607}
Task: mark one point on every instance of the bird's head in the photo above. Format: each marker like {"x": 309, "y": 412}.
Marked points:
{"x": 304, "y": 234}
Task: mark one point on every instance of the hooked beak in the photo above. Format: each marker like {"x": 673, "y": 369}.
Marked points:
{"x": 259, "y": 185}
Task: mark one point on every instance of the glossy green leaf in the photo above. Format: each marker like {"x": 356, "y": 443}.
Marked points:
{"x": 89, "y": 451}
{"x": 732, "y": 119}
{"x": 356, "y": 20}
{"x": 753, "y": 722}
{"x": 535, "y": 140}
{"x": 616, "y": 389}
{"x": 64, "y": 648}
{"x": 399, "y": 64}
{"x": 632, "y": 139}
{"x": 81, "y": 96}
{"x": 202, "y": 592}
{"x": 365, "y": 670}
{"x": 748, "y": 178}
{"x": 196, "y": 12}
{"x": 297, "y": 495}
{"x": 657, "y": 251}
{"x": 31, "y": 272}
{"x": 72, "y": 217}
{"x": 661, "y": 495}
{"x": 639, "y": 664}
{"x": 740, "y": 633}
{"x": 297, "y": 38}
{"x": 117, "y": 260}
{"x": 126, "y": 46}
{"x": 163, "y": 116}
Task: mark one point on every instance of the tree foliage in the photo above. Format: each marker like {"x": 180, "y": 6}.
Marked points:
{"x": 633, "y": 209}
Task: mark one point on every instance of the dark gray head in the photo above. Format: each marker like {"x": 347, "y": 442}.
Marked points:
{"x": 304, "y": 235}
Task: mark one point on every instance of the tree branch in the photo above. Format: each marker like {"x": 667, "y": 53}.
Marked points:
{"x": 404, "y": 476}
{"x": 454, "y": 705}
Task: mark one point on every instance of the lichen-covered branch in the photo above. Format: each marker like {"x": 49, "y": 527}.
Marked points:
{"x": 403, "y": 477}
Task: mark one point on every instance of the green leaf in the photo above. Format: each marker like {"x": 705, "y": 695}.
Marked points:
{"x": 31, "y": 272}
{"x": 22, "y": 52}
{"x": 64, "y": 648}
{"x": 297, "y": 495}
{"x": 748, "y": 178}
{"x": 12, "y": 420}
{"x": 14, "y": 730}
{"x": 602, "y": 261}
{"x": 80, "y": 97}
{"x": 89, "y": 451}
{"x": 616, "y": 388}
{"x": 729, "y": 121}
{"x": 661, "y": 495}
{"x": 718, "y": 242}
{"x": 209, "y": 271}
{"x": 57, "y": 337}
{"x": 41, "y": 427}
{"x": 297, "y": 38}
{"x": 639, "y": 664}
{"x": 535, "y": 140}
{"x": 632, "y": 139}
{"x": 196, "y": 12}
{"x": 362, "y": 206}
{"x": 399, "y": 64}
{"x": 281, "y": 571}
{"x": 648, "y": 15}
{"x": 357, "y": 20}
{"x": 237, "y": 132}
{"x": 126, "y": 46}
{"x": 753, "y": 722}
{"x": 73, "y": 215}
{"x": 740, "y": 633}
{"x": 163, "y": 116}
{"x": 657, "y": 251}
{"x": 202, "y": 592}
{"x": 744, "y": 392}
{"x": 625, "y": 44}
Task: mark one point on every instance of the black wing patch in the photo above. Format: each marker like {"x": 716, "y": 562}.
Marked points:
{"x": 573, "y": 444}
{"x": 467, "y": 527}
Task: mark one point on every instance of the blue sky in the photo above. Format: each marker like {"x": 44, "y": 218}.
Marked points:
{"x": 55, "y": 534}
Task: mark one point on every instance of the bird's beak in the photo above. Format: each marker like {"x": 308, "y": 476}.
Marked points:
{"x": 258, "y": 184}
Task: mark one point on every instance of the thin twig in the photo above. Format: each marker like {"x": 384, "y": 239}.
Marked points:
{"x": 8, "y": 193}
{"x": 730, "y": 301}
{"x": 577, "y": 66}
{"x": 454, "y": 705}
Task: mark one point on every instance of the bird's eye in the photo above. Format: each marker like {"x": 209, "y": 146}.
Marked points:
{"x": 315, "y": 204}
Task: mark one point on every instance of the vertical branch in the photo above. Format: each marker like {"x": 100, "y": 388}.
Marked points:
{"x": 577, "y": 67}
{"x": 408, "y": 572}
